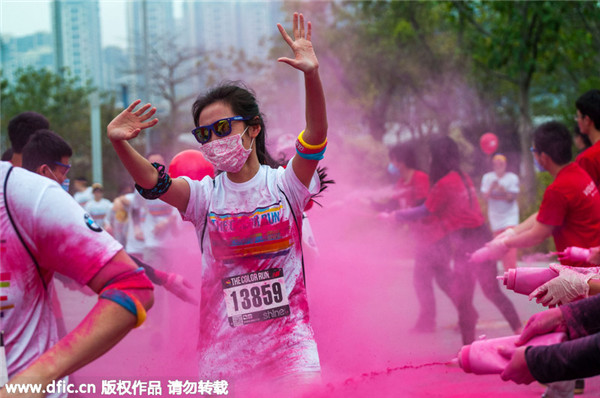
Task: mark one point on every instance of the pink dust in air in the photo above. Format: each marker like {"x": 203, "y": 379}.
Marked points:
{"x": 360, "y": 292}
{"x": 362, "y": 307}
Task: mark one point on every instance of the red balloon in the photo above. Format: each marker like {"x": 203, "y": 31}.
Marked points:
{"x": 192, "y": 164}
{"x": 488, "y": 143}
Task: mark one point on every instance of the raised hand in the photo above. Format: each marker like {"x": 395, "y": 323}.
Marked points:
{"x": 304, "y": 54}
{"x": 129, "y": 123}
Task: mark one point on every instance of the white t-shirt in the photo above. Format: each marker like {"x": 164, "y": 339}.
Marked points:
{"x": 118, "y": 223}
{"x": 136, "y": 203}
{"x": 63, "y": 238}
{"x": 501, "y": 213}
{"x": 84, "y": 196}
{"x": 158, "y": 212}
{"x": 252, "y": 260}
{"x": 99, "y": 210}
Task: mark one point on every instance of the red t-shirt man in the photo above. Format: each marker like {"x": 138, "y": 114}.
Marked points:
{"x": 589, "y": 160}
{"x": 572, "y": 204}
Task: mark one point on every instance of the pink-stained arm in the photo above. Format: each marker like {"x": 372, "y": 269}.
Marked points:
{"x": 518, "y": 237}
{"x": 527, "y": 224}
{"x": 594, "y": 256}
{"x": 127, "y": 125}
{"x": 531, "y": 236}
{"x": 306, "y": 61}
{"x": 103, "y": 327}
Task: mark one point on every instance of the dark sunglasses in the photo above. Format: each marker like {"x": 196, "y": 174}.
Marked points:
{"x": 221, "y": 128}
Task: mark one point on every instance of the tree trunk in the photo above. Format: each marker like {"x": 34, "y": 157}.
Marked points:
{"x": 524, "y": 129}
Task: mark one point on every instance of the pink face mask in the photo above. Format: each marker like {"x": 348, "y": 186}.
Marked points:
{"x": 227, "y": 153}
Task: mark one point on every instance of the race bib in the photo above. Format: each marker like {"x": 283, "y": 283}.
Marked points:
{"x": 255, "y": 297}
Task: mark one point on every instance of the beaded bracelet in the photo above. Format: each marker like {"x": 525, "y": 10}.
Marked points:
{"x": 162, "y": 185}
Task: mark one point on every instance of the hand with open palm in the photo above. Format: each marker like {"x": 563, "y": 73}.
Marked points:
{"x": 304, "y": 54}
{"x": 129, "y": 123}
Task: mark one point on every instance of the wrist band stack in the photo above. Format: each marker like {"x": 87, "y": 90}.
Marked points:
{"x": 162, "y": 185}
{"x": 308, "y": 151}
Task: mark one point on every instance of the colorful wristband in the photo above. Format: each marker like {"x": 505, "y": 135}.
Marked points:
{"x": 127, "y": 301}
{"x": 312, "y": 156}
{"x": 302, "y": 146}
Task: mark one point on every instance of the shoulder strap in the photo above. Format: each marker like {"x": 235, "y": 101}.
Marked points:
{"x": 299, "y": 233}
{"x": 206, "y": 220}
{"x": 37, "y": 266}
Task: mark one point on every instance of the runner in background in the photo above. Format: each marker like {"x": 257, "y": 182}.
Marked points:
{"x": 500, "y": 189}
{"x": 99, "y": 207}
{"x": 83, "y": 193}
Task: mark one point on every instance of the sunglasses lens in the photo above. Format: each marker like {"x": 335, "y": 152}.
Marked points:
{"x": 222, "y": 127}
{"x": 202, "y": 134}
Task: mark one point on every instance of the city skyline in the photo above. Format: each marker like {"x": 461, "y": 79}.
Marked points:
{"x": 20, "y": 18}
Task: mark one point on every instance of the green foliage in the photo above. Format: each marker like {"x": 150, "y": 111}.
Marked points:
{"x": 525, "y": 57}
{"x": 397, "y": 56}
{"x": 64, "y": 100}
{"x": 484, "y": 66}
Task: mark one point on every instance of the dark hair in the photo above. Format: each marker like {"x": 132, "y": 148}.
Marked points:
{"x": 589, "y": 105}
{"x": 7, "y": 155}
{"x": 45, "y": 147}
{"x": 243, "y": 103}
{"x": 22, "y": 127}
{"x": 553, "y": 139}
{"x": 584, "y": 137}
{"x": 82, "y": 179}
{"x": 445, "y": 158}
{"x": 404, "y": 153}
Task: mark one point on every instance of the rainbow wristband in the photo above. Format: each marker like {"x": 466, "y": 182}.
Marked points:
{"x": 127, "y": 301}
{"x": 312, "y": 156}
{"x": 303, "y": 147}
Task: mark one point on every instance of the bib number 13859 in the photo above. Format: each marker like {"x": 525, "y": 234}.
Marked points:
{"x": 255, "y": 297}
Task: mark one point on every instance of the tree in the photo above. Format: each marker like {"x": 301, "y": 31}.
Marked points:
{"x": 521, "y": 54}
{"x": 400, "y": 63}
{"x": 62, "y": 99}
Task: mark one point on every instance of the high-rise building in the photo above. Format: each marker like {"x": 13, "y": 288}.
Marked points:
{"x": 115, "y": 73}
{"x": 21, "y": 52}
{"x": 150, "y": 27}
{"x": 241, "y": 25}
{"x": 76, "y": 27}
